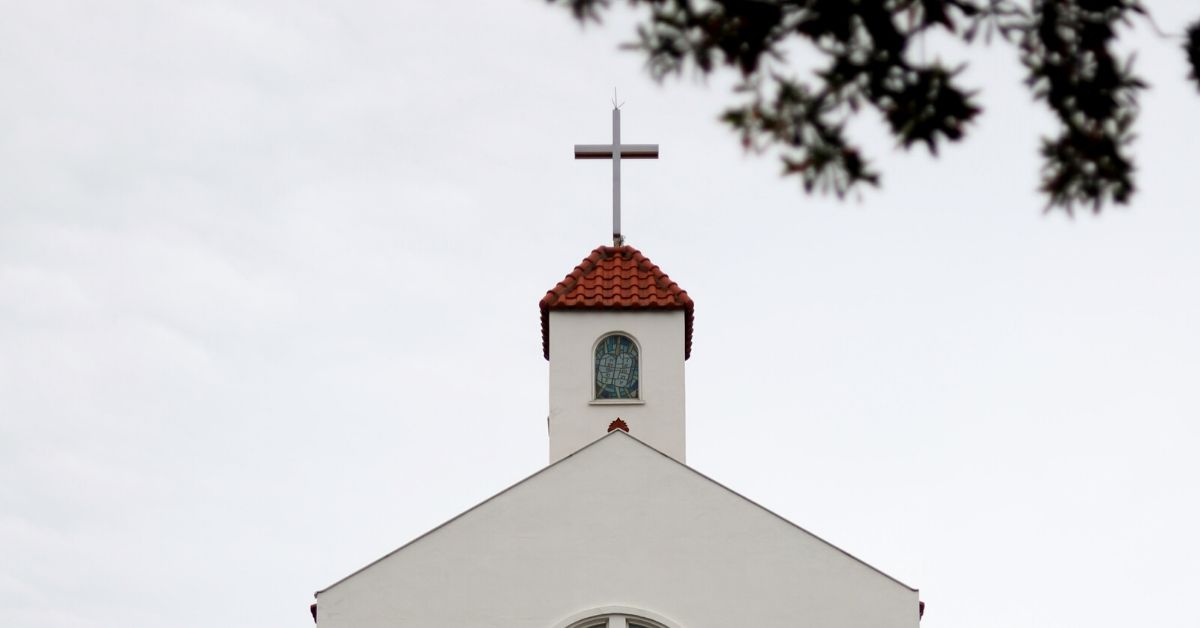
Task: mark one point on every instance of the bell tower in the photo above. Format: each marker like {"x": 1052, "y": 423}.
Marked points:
{"x": 617, "y": 331}
{"x": 621, "y": 332}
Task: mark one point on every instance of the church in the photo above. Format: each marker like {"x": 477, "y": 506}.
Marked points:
{"x": 617, "y": 531}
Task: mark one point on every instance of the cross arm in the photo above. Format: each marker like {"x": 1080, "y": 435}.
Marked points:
{"x": 605, "y": 151}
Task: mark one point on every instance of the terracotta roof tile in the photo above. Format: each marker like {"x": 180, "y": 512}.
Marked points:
{"x": 616, "y": 278}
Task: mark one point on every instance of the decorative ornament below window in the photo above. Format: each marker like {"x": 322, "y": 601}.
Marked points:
{"x": 616, "y": 368}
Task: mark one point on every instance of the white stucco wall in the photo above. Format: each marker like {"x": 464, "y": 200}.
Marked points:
{"x": 618, "y": 525}
{"x": 657, "y": 418}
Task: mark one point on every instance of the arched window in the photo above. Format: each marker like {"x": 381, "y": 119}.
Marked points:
{"x": 616, "y": 370}
{"x": 616, "y": 621}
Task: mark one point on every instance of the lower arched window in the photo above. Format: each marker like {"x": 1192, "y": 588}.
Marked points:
{"x": 616, "y": 621}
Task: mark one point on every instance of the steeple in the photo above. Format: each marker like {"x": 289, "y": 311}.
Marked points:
{"x": 616, "y": 331}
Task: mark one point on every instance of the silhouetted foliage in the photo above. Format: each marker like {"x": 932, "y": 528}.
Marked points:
{"x": 1094, "y": 95}
{"x": 864, "y": 59}
{"x": 1192, "y": 48}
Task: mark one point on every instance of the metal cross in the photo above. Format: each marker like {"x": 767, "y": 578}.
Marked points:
{"x": 615, "y": 152}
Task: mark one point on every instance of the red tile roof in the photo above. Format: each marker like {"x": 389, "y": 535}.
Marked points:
{"x": 617, "y": 278}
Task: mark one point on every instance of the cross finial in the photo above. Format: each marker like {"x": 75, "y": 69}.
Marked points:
{"x": 615, "y": 152}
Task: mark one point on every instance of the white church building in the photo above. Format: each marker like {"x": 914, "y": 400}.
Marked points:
{"x": 618, "y": 531}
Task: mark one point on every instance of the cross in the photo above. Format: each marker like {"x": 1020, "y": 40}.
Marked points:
{"x": 615, "y": 152}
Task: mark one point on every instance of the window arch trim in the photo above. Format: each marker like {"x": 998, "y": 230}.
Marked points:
{"x": 593, "y": 373}
{"x": 593, "y": 616}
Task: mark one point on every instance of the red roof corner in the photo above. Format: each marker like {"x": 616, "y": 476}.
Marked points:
{"x": 617, "y": 278}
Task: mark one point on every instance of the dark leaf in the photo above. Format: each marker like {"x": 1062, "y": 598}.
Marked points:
{"x": 1192, "y": 48}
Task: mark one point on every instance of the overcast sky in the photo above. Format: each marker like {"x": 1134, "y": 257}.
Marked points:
{"x": 269, "y": 275}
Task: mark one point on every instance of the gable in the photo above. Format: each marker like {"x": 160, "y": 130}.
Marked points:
{"x": 618, "y": 523}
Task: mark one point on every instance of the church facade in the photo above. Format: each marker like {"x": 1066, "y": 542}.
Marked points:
{"x": 618, "y": 531}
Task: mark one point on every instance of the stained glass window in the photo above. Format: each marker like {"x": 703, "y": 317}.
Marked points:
{"x": 616, "y": 368}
